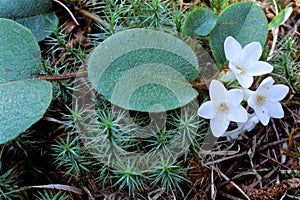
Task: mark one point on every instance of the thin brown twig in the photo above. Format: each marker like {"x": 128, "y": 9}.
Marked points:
{"x": 229, "y": 196}
{"x": 226, "y": 158}
{"x": 273, "y": 160}
{"x": 93, "y": 17}
{"x": 68, "y": 10}
{"x": 62, "y": 76}
{"x": 266, "y": 146}
{"x": 231, "y": 182}
{"x": 295, "y": 116}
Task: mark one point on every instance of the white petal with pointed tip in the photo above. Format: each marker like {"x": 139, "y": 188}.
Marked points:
{"x": 219, "y": 125}
{"x": 251, "y": 52}
{"x": 262, "y": 115}
{"x": 266, "y": 83}
{"x": 259, "y": 68}
{"x": 244, "y": 80}
{"x": 277, "y": 92}
{"x": 234, "y": 97}
{"x": 238, "y": 115}
{"x": 274, "y": 109}
{"x": 207, "y": 110}
{"x": 232, "y": 49}
{"x": 217, "y": 91}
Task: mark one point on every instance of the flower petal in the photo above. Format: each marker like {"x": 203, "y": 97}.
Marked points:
{"x": 251, "y": 123}
{"x": 232, "y": 49}
{"x": 263, "y": 115}
{"x": 238, "y": 114}
{"x": 234, "y": 97}
{"x": 277, "y": 92}
{"x": 219, "y": 125}
{"x": 259, "y": 68}
{"x": 217, "y": 91}
{"x": 274, "y": 109}
{"x": 251, "y": 101}
{"x": 265, "y": 85}
{"x": 251, "y": 52}
{"x": 244, "y": 80}
{"x": 207, "y": 110}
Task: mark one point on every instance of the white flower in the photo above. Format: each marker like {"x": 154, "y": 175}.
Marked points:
{"x": 243, "y": 62}
{"x": 223, "y": 107}
{"x": 265, "y": 100}
{"x": 242, "y": 127}
{"x": 251, "y": 123}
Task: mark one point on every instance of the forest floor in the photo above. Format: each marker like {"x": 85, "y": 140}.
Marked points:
{"x": 263, "y": 164}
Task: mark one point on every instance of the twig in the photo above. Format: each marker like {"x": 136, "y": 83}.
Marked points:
{"x": 226, "y": 158}
{"x": 251, "y": 153}
{"x": 266, "y": 146}
{"x": 273, "y": 160}
{"x": 62, "y": 76}
{"x": 93, "y": 17}
{"x": 56, "y": 186}
{"x": 266, "y": 177}
{"x": 89, "y": 193}
{"x": 157, "y": 193}
{"x": 275, "y": 35}
{"x": 50, "y": 119}
{"x": 231, "y": 182}
{"x": 296, "y": 117}
{"x": 229, "y": 196}
{"x": 213, "y": 186}
{"x": 68, "y": 10}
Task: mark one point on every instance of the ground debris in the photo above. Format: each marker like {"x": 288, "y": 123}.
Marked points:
{"x": 275, "y": 191}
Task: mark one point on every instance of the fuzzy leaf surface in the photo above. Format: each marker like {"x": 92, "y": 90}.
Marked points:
{"x": 20, "y": 53}
{"x": 23, "y": 101}
{"x": 245, "y": 21}
{"x": 200, "y": 22}
{"x": 37, "y": 15}
{"x": 144, "y": 70}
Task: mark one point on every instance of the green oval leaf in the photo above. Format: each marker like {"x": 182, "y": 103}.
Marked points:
{"x": 20, "y": 53}
{"x": 144, "y": 70}
{"x": 40, "y": 25}
{"x": 280, "y": 18}
{"x": 23, "y": 101}
{"x": 200, "y": 22}
{"x": 37, "y": 15}
{"x": 245, "y": 21}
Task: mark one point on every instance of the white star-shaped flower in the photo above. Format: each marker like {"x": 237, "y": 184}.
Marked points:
{"x": 244, "y": 62}
{"x": 265, "y": 100}
{"x": 242, "y": 127}
{"x": 223, "y": 107}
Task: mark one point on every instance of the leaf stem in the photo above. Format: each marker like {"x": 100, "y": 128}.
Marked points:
{"x": 62, "y": 76}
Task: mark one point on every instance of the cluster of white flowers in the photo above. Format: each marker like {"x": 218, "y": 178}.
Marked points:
{"x": 225, "y": 106}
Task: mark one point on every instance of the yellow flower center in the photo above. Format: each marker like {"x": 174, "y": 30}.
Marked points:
{"x": 223, "y": 107}
{"x": 260, "y": 99}
{"x": 242, "y": 70}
